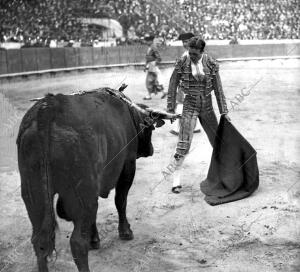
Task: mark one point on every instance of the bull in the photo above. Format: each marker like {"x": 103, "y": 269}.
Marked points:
{"x": 80, "y": 147}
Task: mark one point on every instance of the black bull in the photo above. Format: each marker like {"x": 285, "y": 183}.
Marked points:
{"x": 80, "y": 147}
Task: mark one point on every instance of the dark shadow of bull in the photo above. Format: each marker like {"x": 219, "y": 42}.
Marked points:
{"x": 80, "y": 147}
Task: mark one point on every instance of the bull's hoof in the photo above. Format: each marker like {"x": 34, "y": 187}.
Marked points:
{"x": 94, "y": 245}
{"x": 126, "y": 234}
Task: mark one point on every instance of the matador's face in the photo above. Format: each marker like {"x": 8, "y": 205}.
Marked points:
{"x": 195, "y": 54}
{"x": 185, "y": 44}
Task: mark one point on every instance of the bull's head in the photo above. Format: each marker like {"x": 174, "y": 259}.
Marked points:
{"x": 149, "y": 119}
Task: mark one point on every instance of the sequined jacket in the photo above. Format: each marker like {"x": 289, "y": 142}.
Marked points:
{"x": 193, "y": 87}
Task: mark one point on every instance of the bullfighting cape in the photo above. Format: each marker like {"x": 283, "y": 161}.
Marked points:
{"x": 233, "y": 172}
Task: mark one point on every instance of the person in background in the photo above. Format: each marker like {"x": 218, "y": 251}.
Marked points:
{"x": 184, "y": 37}
{"x": 199, "y": 74}
{"x": 234, "y": 40}
{"x": 152, "y": 59}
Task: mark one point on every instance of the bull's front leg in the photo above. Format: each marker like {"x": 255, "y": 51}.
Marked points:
{"x": 122, "y": 188}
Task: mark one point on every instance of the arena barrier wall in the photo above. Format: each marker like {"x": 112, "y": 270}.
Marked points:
{"x": 30, "y": 61}
{"x": 3, "y": 63}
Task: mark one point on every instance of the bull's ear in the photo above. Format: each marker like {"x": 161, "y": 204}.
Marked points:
{"x": 160, "y": 123}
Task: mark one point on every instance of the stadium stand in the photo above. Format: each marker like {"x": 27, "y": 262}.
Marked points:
{"x": 40, "y": 23}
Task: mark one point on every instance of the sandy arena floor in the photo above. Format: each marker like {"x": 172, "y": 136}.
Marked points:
{"x": 177, "y": 232}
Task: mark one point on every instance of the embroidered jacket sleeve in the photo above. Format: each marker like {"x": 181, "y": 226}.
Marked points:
{"x": 173, "y": 84}
{"x": 217, "y": 85}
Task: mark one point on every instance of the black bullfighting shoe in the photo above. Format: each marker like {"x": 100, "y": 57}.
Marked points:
{"x": 176, "y": 189}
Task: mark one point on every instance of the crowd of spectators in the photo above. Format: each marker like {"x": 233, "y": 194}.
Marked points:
{"x": 256, "y": 19}
{"x": 38, "y": 22}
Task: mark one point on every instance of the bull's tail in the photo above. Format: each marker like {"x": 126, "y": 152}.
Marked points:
{"x": 44, "y": 240}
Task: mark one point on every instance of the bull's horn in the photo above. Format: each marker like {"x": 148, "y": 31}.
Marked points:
{"x": 138, "y": 108}
{"x": 164, "y": 114}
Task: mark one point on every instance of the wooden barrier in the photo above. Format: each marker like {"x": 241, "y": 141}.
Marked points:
{"x": 57, "y": 56}
{"x": 14, "y": 61}
{"x": 3, "y": 63}
{"x": 29, "y": 59}
{"x": 72, "y": 57}
{"x": 38, "y": 60}
{"x": 43, "y": 58}
{"x": 86, "y": 56}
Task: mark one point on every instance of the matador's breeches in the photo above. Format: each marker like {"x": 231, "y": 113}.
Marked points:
{"x": 195, "y": 107}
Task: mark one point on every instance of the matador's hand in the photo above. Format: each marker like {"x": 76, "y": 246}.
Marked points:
{"x": 172, "y": 112}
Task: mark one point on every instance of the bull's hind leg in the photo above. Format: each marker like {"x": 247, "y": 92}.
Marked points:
{"x": 122, "y": 188}
{"x": 80, "y": 245}
{"x": 94, "y": 239}
{"x": 83, "y": 215}
{"x": 41, "y": 217}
